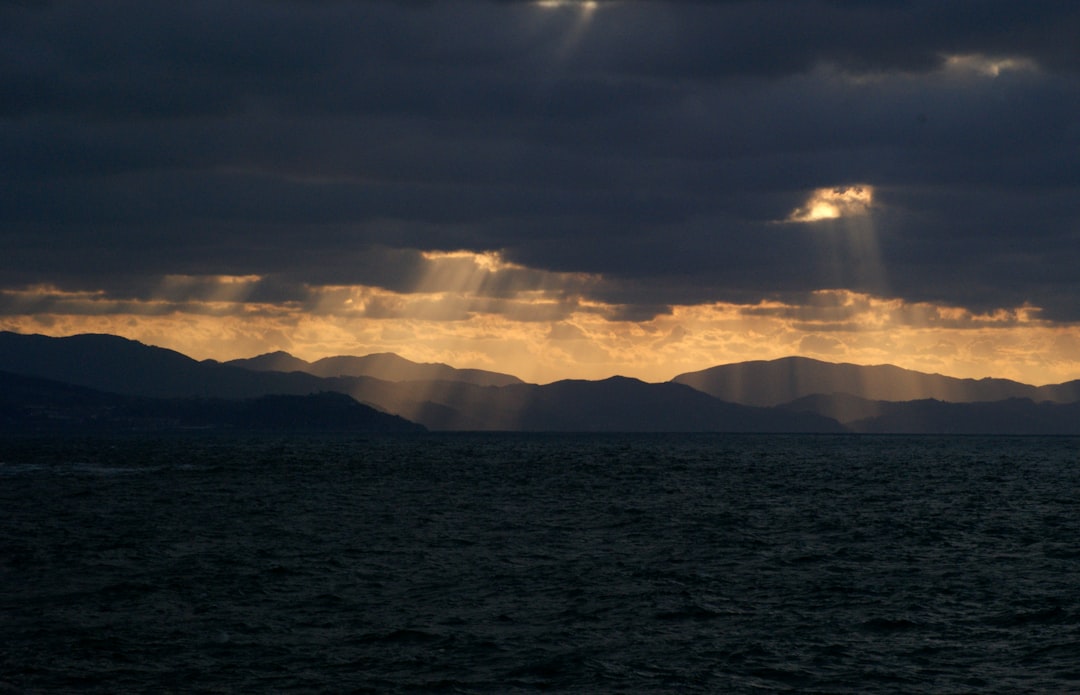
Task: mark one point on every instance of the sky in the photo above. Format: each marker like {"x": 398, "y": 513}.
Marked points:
{"x": 552, "y": 189}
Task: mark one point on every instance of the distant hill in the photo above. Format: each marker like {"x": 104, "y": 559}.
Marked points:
{"x": 931, "y": 416}
{"x": 628, "y": 404}
{"x": 317, "y": 411}
{"x": 118, "y": 365}
{"x": 1010, "y": 416}
{"x": 617, "y": 404}
{"x": 127, "y": 367}
{"x": 827, "y": 397}
{"x": 768, "y": 383}
{"x": 842, "y": 407}
{"x": 385, "y": 365}
{"x": 29, "y": 404}
{"x": 279, "y": 361}
{"x": 98, "y": 361}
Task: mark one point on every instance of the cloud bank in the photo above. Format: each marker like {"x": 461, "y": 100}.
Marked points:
{"x": 614, "y": 165}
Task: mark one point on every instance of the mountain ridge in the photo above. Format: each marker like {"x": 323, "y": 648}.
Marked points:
{"x": 29, "y": 404}
{"x": 388, "y": 366}
{"x": 619, "y": 404}
{"x": 932, "y": 416}
{"x": 775, "y": 382}
{"x": 468, "y": 402}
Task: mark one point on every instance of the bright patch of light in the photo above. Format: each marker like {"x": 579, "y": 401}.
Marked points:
{"x": 490, "y": 261}
{"x": 586, "y": 6}
{"x": 211, "y": 288}
{"x": 581, "y": 340}
{"x": 833, "y": 203}
{"x": 988, "y": 66}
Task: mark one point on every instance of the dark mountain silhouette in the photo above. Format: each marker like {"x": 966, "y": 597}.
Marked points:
{"x": 767, "y": 383}
{"x": 615, "y": 404}
{"x": 327, "y": 410}
{"x": 1010, "y": 416}
{"x": 931, "y": 416}
{"x": 385, "y": 365}
{"x": 123, "y": 366}
{"x": 119, "y": 366}
{"x": 1068, "y": 392}
{"x": 620, "y": 403}
{"x": 842, "y": 407}
{"x": 279, "y": 361}
{"x": 30, "y": 404}
{"x": 97, "y": 361}
{"x": 317, "y": 411}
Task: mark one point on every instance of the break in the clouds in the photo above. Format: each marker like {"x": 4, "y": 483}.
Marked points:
{"x": 556, "y": 163}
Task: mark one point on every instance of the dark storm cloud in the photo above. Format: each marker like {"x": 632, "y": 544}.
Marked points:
{"x": 657, "y": 143}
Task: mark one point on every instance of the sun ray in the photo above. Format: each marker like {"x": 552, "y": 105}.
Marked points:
{"x": 583, "y": 13}
{"x": 540, "y": 337}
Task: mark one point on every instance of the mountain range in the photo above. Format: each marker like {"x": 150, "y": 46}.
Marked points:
{"x": 775, "y": 382}
{"x": 787, "y": 395}
{"x": 29, "y": 404}
{"x": 383, "y": 365}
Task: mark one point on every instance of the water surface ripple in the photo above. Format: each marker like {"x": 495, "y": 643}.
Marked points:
{"x": 516, "y": 563}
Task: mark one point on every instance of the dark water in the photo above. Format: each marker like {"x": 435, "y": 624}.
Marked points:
{"x": 526, "y": 563}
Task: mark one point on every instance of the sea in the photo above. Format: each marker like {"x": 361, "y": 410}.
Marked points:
{"x": 516, "y": 563}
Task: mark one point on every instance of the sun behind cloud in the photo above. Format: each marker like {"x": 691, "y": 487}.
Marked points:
{"x": 833, "y": 203}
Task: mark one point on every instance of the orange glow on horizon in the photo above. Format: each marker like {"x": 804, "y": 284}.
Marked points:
{"x": 542, "y": 337}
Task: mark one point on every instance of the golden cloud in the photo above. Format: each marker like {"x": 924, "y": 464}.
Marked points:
{"x": 833, "y": 203}
{"x": 541, "y": 332}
